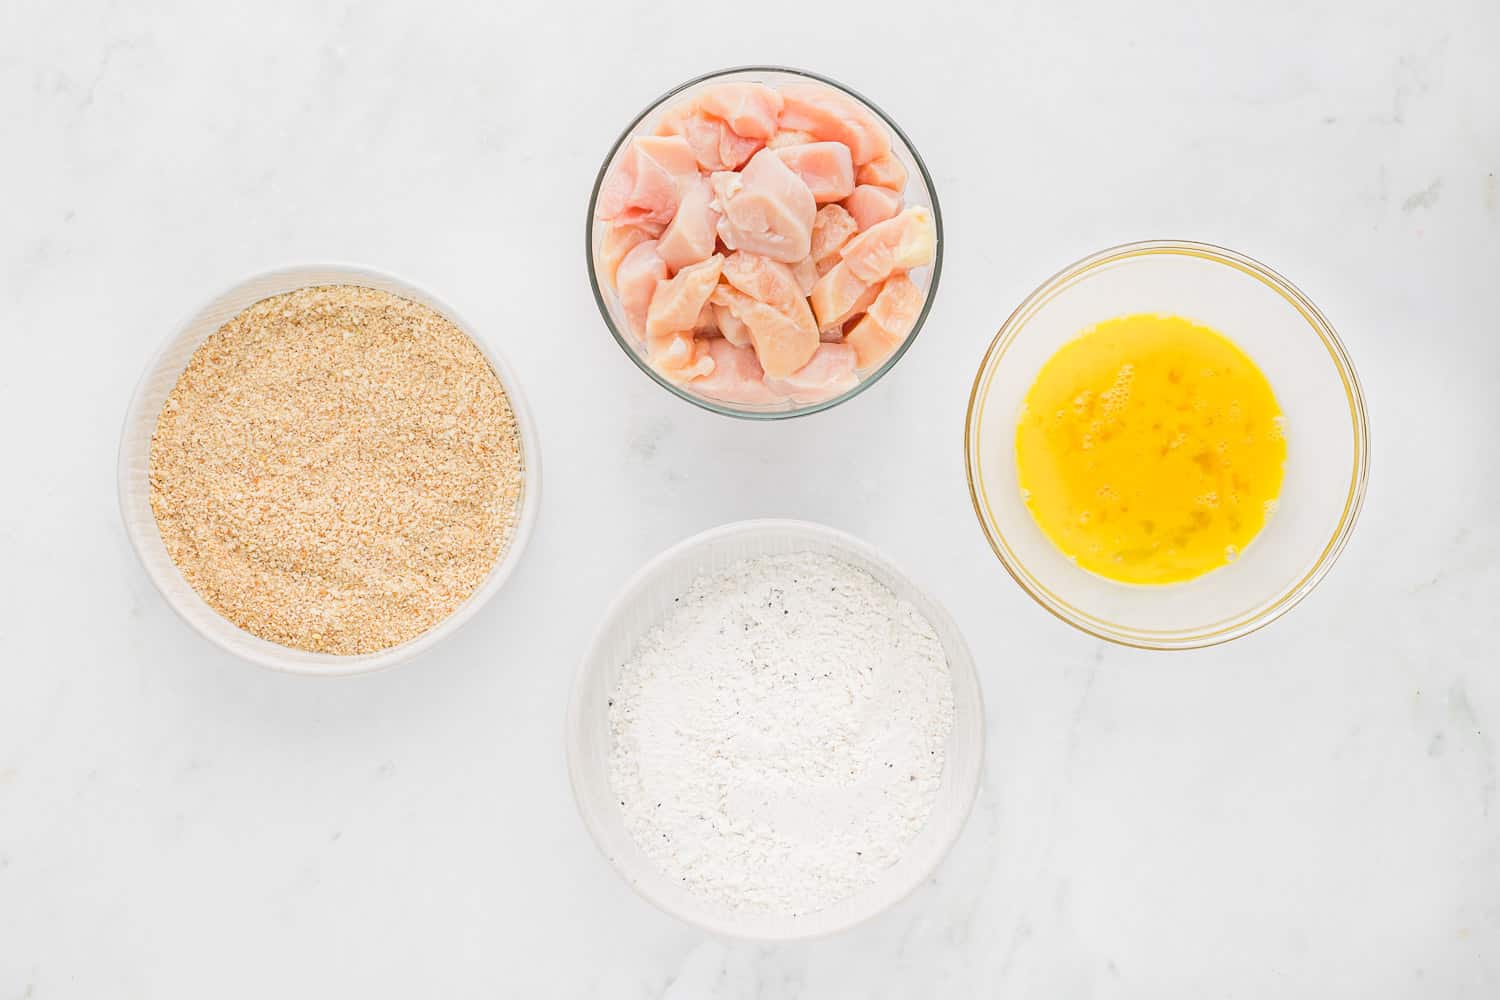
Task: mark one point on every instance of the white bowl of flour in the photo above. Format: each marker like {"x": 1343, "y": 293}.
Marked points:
{"x": 775, "y": 734}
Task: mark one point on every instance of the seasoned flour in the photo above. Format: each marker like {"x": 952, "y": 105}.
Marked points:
{"x": 778, "y": 738}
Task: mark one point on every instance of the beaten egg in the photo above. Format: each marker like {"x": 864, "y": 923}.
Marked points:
{"x": 1150, "y": 450}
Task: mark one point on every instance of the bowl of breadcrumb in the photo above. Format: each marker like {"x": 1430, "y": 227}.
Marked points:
{"x": 325, "y": 471}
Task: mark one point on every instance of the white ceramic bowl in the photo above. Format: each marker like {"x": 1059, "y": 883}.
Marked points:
{"x": 135, "y": 491}
{"x": 640, "y": 606}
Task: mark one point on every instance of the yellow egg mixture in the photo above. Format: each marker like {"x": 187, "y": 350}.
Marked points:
{"x": 1150, "y": 449}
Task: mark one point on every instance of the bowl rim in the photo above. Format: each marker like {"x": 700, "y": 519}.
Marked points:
{"x": 725, "y": 409}
{"x": 1217, "y": 632}
{"x": 163, "y": 572}
{"x": 588, "y": 664}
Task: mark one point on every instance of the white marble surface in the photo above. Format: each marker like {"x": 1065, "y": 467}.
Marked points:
{"x": 1309, "y": 812}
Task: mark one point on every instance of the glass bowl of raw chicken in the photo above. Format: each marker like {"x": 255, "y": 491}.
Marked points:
{"x": 764, "y": 242}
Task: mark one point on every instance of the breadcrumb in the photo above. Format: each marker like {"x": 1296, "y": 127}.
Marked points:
{"x": 337, "y": 469}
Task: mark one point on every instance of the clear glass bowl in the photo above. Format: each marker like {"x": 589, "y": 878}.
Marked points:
{"x": 919, "y": 191}
{"x": 1326, "y": 425}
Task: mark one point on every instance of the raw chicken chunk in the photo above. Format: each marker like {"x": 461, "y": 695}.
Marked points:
{"x": 870, "y": 204}
{"x": 737, "y": 376}
{"x": 790, "y": 137}
{"x": 782, "y": 344}
{"x": 617, "y": 241}
{"x": 828, "y": 114}
{"x": 750, "y": 109}
{"x": 692, "y": 233}
{"x": 679, "y": 356}
{"x": 825, "y": 167}
{"x": 731, "y": 326}
{"x": 676, "y": 303}
{"x": 863, "y": 302}
{"x": 872, "y": 342}
{"x": 829, "y": 372}
{"x": 806, "y": 273}
{"x": 909, "y": 240}
{"x": 832, "y": 228}
{"x": 707, "y": 323}
{"x": 883, "y": 171}
{"x": 897, "y": 305}
{"x": 715, "y": 145}
{"x": 887, "y": 322}
{"x": 766, "y": 208}
{"x": 770, "y": 281}
{"x": 636, "y": 282}
{"x": 641, "y": 190}
{"x": 840, "y": 294}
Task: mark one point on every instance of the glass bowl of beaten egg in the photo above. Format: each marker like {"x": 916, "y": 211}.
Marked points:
{"x": 917, "y": 192}
{"x": 1167, "y": 445}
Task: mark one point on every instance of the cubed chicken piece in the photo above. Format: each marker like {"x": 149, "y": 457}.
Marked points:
{"x": 693, "y": 231}
{"x": 883, "y": 171}
{"x": 676, "y": 303}
{"x": 872, "y": 342}
{"x": 832, "y": 228}
{"x": 679, "y": 356}
{"x": 909, "y": 240}
{"x": 715, "y": 145}
{"x": 897, "y": 304}
{"x": 672, "y": 153}
{"x": 829, "y": 372}
{"x": 806, "y": 273}
{"x": 828, "y": 114}
{"x": 766, "y": 209}
{"x": 863, "y": 302}
{"x": 781, "y": 342}
{"x": 770, "y": 281}
{"x": 641, "y": 190}
{"x": 790, "y": 137}
{"x": 737, "y": 376}
{"x": 750, "y": 109}
{"x": 615, "y": 242}
{"x": 707, "y": 323}
{"x": 825, "y": 167}
{"x": 730, "y": 326}
{"x": 840, "y": 294}
{"x": 636, "y": 281}
{"x": 887, "y": 322}
{"x": 870, "y": 204}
